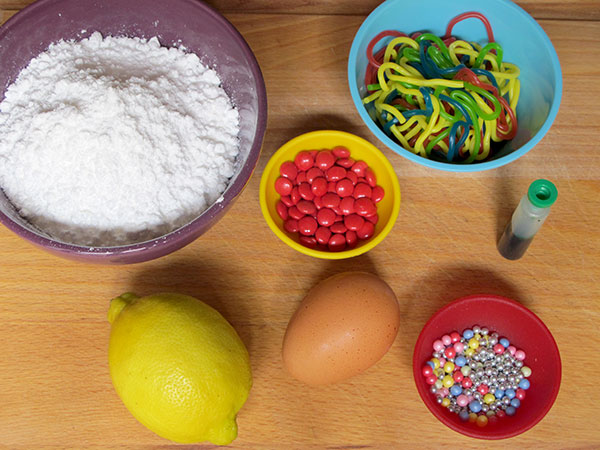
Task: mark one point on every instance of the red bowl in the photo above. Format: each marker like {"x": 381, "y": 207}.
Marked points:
{"x": 525, "y": 330}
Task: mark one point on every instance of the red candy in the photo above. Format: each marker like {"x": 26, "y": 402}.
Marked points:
{"x": 304, "y": 160}
{"x": 450, "y": 352}
{"x": 365, "y": 207}
{"x": 366, "y": 231}
{"x": 458, "y": 376}
{"x": 427, "y": 370}
{"x": 282, "y": 210}
{"x": 344, "y": 188}
{"x": 340, "y": 152}
{"x": 313, "y": 173}
{"x": 319, "y": 186}
{"x": 483, "y": 389}
{"x": 354, "y": 222}
{"x": 322, "y": 235}
{"x": 520, "y": 394}
{"x": 336, "y": 173}
{"x": 306, "y": 207}
{"x": 330, "y": 200}
{"x": 307, "y": 226}
{"x": 283, "y": 186}
{"x": 289, "y": 170}
{"x": 326, "y": 217}
{"x": 467, "y": 383}
{"x": 337, "y": 242}
{"x": 347, "y": 205}
{"x": 377, "y": 194}
{"x": 359, "y": 168}
{"x": 324, "y": 160}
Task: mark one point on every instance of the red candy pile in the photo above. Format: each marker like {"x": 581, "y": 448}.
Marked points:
{"x": 328, "y": 198}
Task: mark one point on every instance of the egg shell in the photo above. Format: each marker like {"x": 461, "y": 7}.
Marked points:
{"x": 344, "y": 325}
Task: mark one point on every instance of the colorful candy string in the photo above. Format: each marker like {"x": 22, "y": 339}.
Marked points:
{"x": 443, "y": 98}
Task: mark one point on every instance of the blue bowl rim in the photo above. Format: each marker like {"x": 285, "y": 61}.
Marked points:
{"x": 450, "y": 167}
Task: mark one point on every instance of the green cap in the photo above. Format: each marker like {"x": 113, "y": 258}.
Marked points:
{"x": 542, "y": 193}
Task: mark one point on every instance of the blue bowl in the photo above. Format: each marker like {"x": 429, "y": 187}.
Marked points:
{"x": 524, "y": 43}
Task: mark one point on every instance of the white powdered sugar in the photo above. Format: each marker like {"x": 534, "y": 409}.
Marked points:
{"x": 110, "y": 141}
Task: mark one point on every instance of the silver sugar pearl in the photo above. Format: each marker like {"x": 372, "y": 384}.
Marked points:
{"x": 473, "y": 364}
{"x": 479, "y": 373}
{"x": 506, "y": 401}
{"x": 482, "y": 342}
{"x": 489, "y": 371}
{"x": 494, "y": 335}
{"x": 493, "y": 407}
{"x": 477, "y": 395}
{"x": 439, "y": 400}
{"x": 476, "y": 329}
{"x": 519, "y": 364}
{"x": 484, "y": 331}
{"x": 485, "y": 408}
{"x": 493, "y": 341}
{"x": 436, "y": 354}
{"x": 468, "y": 392}
{"x": 433, "y": 389}
{"x": 511, "y": 379}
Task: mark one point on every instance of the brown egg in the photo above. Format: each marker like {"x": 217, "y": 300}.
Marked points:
{"x": 343, "y": 326}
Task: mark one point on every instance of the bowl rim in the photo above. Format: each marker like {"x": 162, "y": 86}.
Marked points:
{"x": 175, "y": 239}
{"x": 455, "y": 167}
{"x": 343, "y": 137}
{"x": 425, "y": 394}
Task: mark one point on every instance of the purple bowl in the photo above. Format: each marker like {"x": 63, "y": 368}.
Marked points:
{"x": 190, "y": 23}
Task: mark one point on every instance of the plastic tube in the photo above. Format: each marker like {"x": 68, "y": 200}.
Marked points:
{"x": 527, "y": 219}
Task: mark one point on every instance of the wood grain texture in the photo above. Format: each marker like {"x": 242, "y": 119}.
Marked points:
{"x": 540, "y": 9}
{"x": 56, "y": 392}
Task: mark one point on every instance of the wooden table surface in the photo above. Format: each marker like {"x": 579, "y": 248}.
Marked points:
{"x": 55, "y": 390}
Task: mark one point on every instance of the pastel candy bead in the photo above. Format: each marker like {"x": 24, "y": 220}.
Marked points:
{"x": 430, "y": 364}
{"x": 446, "y": 402}
{"x": 442, "y": 362}
{"x": 499, "y": 349}
{"x": 475, "y": 406}
{"x": 436, "y": 363}
{"x": 444, "y": 392}
{"x": 469, "y": 352}
{"x": 511, "y": 349}
{"x": 504, "y": 342}
{"x": 472, "y": 418}
{"x": 446, "y": 339}
{"x": 448, "y": 381}
{"x": 465, "y": 370}
{"x": 459, "y": 347}
{"x": 438, "y": 345}
{"x": 489, "y": 398}
{"x": 455, "y": 390}
{"x": 460, "y": 361}
{"x": 473, "y": 343}
{"x": 482, "y": 421}
{"x": 449, "y": 367}
{"x": 526, "y": 371}
{"x": 524, "y": 384}
{"x": 462, "y": 400}
{"x": 499, "y": 393}
{"x": 515, "y": 402}
{"x": 520, "y": 355}
{"x": 510, "y": 411}
{"x": 468, "y": 334}
{"x": 438, "y": 384}
{"x": 510, "y": 393}
{"x": 464, "y": 415}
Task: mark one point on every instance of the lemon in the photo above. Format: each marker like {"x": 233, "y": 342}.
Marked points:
{"x": 179, "y": 366}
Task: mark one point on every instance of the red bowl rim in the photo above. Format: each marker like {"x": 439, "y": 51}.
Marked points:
{"x": 437, "y": 412}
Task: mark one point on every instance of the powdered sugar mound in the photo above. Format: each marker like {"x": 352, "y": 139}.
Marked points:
{"x": 109, "y": 141}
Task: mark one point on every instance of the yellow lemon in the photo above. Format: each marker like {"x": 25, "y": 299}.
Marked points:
{"x": 179, "y": 366}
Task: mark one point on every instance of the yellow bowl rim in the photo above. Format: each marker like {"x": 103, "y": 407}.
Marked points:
{"x": 344, "y": 137}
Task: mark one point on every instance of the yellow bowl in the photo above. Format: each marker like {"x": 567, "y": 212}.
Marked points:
{"x": 360, "y": 149}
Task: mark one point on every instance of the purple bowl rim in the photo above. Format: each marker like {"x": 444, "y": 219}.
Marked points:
{"x": 232, "y": 190}
{"x": 499, "y": 299}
